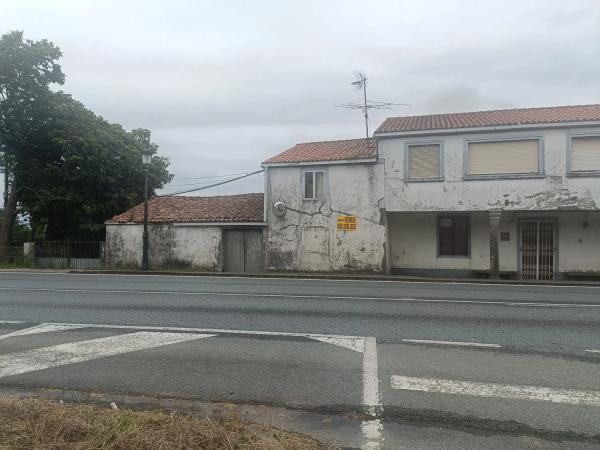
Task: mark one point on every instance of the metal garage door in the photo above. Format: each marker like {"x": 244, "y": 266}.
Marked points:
{"x": 243, "y": 250}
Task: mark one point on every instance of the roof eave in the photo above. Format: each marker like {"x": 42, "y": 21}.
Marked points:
{"x": 195, "y": 224}
{"x": 514, "y": 127}
{"x": 370, "y": 160}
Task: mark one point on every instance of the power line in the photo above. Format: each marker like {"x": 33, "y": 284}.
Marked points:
{"x": 213, "y": 184}
{"x": 210, "y": 176}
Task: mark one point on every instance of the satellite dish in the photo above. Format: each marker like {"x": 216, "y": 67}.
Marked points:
{"x": 279, "y": 209}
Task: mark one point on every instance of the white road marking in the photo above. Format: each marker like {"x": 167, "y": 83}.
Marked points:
{"x": 592, "y": 351}
{"x": 63, "y": 354}
{"x": 545, "y": 394}
{"x": 330, "y": 280}
{"x": 42, "y": 328}
{"x": 212, "y": 331}
{"x": 372, "y": 429}
{"x": 329, "y": 297}
{"x": 456, "y": 343}
{"x": 351, "y": 343}
{"x": 11, "y": 321}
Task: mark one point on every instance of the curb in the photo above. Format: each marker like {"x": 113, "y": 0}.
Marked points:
{"x": 340, "y": 277}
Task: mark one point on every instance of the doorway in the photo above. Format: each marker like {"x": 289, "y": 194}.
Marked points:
{"x": 538, "y": 249}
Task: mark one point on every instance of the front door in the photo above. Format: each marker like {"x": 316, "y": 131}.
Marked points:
{"x": 537, "y": 249}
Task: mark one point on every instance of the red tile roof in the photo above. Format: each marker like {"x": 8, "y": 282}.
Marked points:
{"x": 501, "y": 117}
{"x": 223, "y": 208}
{"x": 327, "y": 151}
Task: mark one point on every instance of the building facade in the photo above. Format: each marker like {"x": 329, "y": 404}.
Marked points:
{"x": 324, "y": 208}
{"x": 213, "y": 234}
{"x": 511, "y": 193}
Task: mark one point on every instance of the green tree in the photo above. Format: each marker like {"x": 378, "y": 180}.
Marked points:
{"x": 27, "y": 70}
{"x": 88, "y": 171}
{"x": 70, "y": 169}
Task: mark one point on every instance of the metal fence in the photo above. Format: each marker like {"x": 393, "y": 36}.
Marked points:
{"x": 57, "y": 255}
{"x": 15, "y": 257}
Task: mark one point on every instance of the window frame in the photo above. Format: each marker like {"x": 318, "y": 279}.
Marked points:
{"x": 413, "y": 143}
{"x": 541, "y": 173}
{"x": 441, "y": 216}
{"x": 303, "y": 184}
{"x": 579, "y": 173}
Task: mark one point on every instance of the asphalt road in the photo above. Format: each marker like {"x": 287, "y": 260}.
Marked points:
{"x": 424, "y": 365}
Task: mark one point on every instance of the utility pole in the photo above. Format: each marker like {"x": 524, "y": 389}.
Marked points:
{"x": 146, "y": 160}
{"x": 5, "y": 168}
{"x": 5, "y": 193}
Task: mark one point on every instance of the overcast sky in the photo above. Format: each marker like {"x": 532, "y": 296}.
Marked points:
{"x": 225, "y": 84}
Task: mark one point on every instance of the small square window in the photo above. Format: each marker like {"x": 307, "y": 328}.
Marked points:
{"x": 314, "y": 184}
{"x": 423, "y": 161}
{"x": 453, "y": 235}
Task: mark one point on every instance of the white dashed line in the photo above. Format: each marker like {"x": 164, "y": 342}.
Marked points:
{"x": 456, "y": 343}
{"x": 592, "y": 351}
{"x": 11, "y": 321}
{"x": 545, "y": 394}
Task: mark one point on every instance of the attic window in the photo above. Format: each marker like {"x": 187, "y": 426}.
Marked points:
{"x": 314, "y": 184}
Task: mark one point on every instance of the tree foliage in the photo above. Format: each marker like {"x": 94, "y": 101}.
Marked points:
{"x": 70, "y": 169}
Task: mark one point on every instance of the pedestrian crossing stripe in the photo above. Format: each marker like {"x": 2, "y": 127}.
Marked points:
{"x": 63, "y": 354}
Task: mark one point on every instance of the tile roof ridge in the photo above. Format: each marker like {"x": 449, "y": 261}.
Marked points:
{"x": 336, "y": 140}
{"x": 529, "y": 108}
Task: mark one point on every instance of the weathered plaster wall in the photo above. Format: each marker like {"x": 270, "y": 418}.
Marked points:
{"x": 553, "y": 191}
{"x": 307, "y": 238}
{"x": 178, "y": 246}
{"x": 414, "y": 245}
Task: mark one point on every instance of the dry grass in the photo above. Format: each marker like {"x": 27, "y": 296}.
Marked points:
{"x": 39, "y": 424}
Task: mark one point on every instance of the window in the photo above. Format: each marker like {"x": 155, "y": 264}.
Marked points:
{"x": 585, "y": 154}
{"x": 453, "y": 235}
{"x": 509, "y": 157}
{"x": 423, "y": 161}
{"x": 314, "y": 185}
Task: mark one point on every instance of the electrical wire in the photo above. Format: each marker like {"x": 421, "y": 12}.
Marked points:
{"x": 219, "y": 183}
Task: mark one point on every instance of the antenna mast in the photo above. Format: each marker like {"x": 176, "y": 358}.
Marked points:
{"x": 361, "y": 84}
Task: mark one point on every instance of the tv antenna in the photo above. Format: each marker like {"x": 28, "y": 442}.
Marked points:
{"x": 361, "y": 84}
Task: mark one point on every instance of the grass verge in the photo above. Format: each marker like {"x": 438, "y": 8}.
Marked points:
{"x": 41, "y": 424}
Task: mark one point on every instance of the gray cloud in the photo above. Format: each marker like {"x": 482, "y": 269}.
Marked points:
{"x": 224, "y": 85}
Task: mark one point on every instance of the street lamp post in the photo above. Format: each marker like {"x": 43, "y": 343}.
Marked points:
{"x": 146, "y": 160}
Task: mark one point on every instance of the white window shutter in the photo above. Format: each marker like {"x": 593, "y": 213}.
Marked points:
{"x": 504, "y": 157}
{"x": 585, "y": 153}
{"x": 424, "y": 161}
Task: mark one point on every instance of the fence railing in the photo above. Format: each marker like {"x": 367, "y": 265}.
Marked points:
{"x": 56, "y": 255}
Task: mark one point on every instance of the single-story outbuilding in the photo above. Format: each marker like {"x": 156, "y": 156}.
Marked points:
{"x": 221, "y": 233}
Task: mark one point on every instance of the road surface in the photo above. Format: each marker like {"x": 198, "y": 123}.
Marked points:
{"x": 375, "y": 364}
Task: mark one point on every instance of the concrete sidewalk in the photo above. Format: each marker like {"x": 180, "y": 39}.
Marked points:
{"x": 363, "y": 276}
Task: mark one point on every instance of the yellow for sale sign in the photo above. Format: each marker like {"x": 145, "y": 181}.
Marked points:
{"x": 346, "y": 223}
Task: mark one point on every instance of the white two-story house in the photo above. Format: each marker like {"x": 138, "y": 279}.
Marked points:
{"x": 511, "y": 193}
